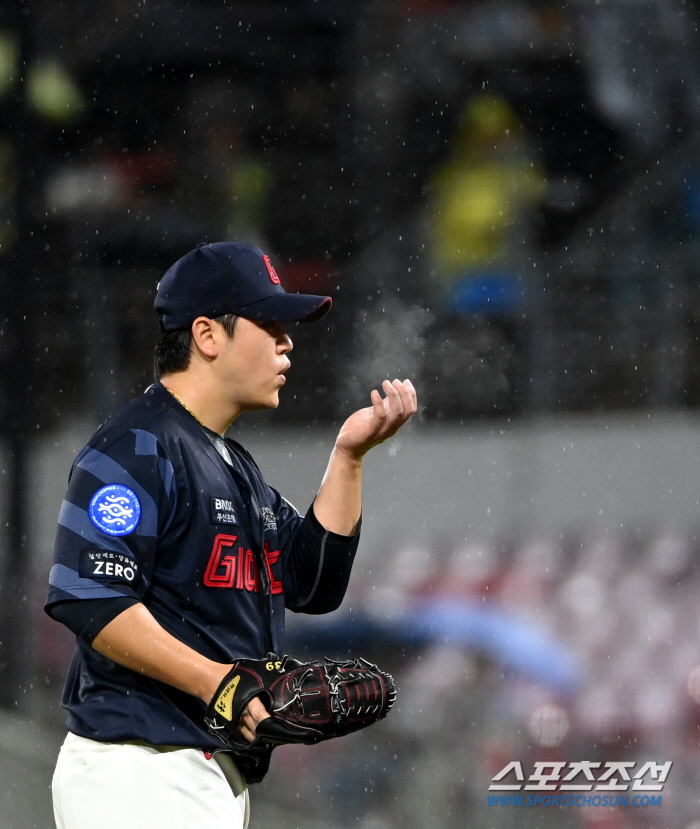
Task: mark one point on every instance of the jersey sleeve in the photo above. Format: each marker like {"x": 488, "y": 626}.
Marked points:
{"x": 287, "y": 518}
{"x": 316, "y": 563}
{"x": 121, "y": 496}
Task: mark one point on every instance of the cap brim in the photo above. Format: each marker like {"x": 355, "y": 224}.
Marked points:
{"x": 285, "y": 307}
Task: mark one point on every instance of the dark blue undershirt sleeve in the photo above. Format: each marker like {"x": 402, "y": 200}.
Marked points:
{"x": 86, "y": 617}
{"x": 322, "y": 561}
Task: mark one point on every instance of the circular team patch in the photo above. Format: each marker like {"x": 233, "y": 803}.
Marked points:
{"x": 115, "y": 509}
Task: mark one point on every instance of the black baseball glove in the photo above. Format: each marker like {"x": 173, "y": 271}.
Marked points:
{"x": 308, "y": 702}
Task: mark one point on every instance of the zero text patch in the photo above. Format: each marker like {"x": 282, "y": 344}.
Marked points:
{"x": 104, "y": 564}
{"x": 115, "y": 509}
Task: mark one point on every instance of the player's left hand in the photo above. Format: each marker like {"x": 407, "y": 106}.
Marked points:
{"x": 309, "y": 701}
{"x": 368, "y": 427}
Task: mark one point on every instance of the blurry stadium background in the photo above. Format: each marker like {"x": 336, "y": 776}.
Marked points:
{"x": 503, "y": 198}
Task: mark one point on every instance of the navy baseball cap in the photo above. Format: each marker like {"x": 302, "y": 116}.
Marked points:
{"x": 229, "y": 278}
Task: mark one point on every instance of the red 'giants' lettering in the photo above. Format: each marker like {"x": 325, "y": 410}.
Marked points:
{"x": 241, "y": 571}
{"x": 270, "y": 559}
{"x": 250, "y": 572}
{"x": 213, "y": 578}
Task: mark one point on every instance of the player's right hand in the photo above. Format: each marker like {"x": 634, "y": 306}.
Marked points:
{"x": 374, "y": 424}
{"x": 254, "y": 713}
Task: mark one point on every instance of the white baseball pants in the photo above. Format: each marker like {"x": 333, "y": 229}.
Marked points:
{"x": 126, "y": 786}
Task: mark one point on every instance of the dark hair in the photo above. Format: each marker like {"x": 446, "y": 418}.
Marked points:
{"x": 174, "y": 348}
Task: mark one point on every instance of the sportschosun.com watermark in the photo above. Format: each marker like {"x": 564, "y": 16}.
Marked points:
{"x": 615, "y": 783}
{"x": 567, "y": 800}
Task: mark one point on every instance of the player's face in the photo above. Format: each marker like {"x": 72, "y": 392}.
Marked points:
{"x": 253, "y": 363}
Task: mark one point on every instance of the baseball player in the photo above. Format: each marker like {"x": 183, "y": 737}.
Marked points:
{"x": 174, "y": 558}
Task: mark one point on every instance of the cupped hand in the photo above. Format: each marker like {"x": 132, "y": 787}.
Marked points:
{"x": 368, "y": 427}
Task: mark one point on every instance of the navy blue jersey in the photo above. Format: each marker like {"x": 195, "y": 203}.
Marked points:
{"x": 156, "y": 512}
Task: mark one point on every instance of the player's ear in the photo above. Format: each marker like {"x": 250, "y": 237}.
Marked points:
{"x": 204, "y": 337}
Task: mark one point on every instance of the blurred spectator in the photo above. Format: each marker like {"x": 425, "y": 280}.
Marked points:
{"x": 481, "y": 203}
{"x": 223, "y": 178}
{"x": 53, "y": 93}
{"x": 644, "y": 69}
{"x": 480, "y": 212}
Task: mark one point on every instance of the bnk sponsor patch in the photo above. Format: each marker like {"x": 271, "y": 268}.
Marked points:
{"x": 222, "y": 511}
{"x": 104, "y": 564}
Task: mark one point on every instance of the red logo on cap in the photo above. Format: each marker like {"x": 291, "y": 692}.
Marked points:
{"x": 273, "y": 274}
